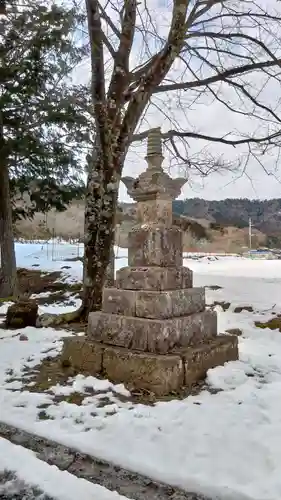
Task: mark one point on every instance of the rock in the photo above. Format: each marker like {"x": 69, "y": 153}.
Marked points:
{"x": 239, "y": 309}
{"x": 224, "y": 305}
{"x": 23, "y": 337}
{"x": 45, "y": 320}
{"x": 214, "y": 287}
{"x": 234, "y": 331}
{"x": 22, "y": 314}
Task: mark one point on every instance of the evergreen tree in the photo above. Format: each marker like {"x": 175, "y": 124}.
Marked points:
{"x": 45, "y": 119}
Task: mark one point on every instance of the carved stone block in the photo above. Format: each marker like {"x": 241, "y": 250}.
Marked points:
{"x": 197, "y": 328}
{"x": 158, "y": 374}
{"x": 153, "y": 304}
{"x": 157, "y": 211}
{"x": 143, "y": 370}
{"x": 155, "y": 247}
{"x": 82, "y": 355}
{"x": 117, "y": 301}
{"x": 202, "y": 358}
{"x": 154, "y": 278}
{"x": 153, "y": 335}
{"x": 169, "y": 304}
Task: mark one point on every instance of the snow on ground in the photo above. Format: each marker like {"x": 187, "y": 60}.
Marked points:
{"x": 226, "y": 444}
{"x": 53, "y": 256}
{"x": 60, "y": 485}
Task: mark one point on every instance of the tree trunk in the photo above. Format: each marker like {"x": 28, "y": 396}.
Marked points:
{"x": 100, "y": 210}
{"x": 8, "y": 279}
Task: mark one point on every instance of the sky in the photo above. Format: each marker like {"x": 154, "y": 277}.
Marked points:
{"x": 205, "y": 115}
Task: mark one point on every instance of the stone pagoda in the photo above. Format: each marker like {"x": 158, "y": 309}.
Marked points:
{"x": 154, "y": 331}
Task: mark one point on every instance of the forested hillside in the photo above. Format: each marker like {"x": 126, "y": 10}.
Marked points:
{"x": 265, "y": 215}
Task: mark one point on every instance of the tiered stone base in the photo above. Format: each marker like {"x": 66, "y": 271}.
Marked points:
{"x": 158, "y": 373}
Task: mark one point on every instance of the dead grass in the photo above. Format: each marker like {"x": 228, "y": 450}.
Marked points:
{"x": 34, "y": 282}
{"x": 272, "y": 324}
{"x": 50, "y": 372}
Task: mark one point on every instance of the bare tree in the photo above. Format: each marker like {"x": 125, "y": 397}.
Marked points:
{"x": 182, "y": 54}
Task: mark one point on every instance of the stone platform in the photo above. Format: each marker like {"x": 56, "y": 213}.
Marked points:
{"x": 161, "y": 374}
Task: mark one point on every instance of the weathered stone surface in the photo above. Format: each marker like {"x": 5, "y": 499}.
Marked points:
{"x": 153, "y": 304}
{"x": 188, "y": 301}
{"x": 125, "y": 331}
{"x": 157, "y": 211}
{"x": 154, "y": 278}
{"x": 197, "y": 328}
{"x": 81, "y": 354}
{"x": 198, "y": 360}
{"x": 159, "y": 374}
{"x": 156, "y": 372}
{"x": 155, "y": 247}
{"x": 22, "y": 314}
{"x": 153, "y": 335}
{"x": 117, "y": 301}
{"x": 153, "y": 182}
{"x": 169, "y": 304}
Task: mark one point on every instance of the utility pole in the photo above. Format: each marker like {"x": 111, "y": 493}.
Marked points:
{"x": 250, "y": 233}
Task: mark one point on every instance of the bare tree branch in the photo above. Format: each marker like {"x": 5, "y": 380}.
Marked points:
{"x": 229, "y": 40}
{"x": 159, "y": 69}
{"x": 119, "y": 79}
{"x": 228, "y": 73}
{"x": 171, "y": 134}
{"x": 98, "y": 75}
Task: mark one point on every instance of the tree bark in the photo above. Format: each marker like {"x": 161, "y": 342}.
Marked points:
{"x": 99, "y": 229}
{"x": 8, "y": 278}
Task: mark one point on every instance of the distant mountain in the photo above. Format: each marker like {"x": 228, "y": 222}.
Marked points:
{"x": 265, "y": 215}
{"x": 208, "y": 225}
{"x": 232, "y": 213}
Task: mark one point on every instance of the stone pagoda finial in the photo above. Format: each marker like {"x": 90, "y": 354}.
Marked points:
{"x": 154, "y": 190}
{"x": 154, "y": 155}
{"x": 154, "y": 143}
